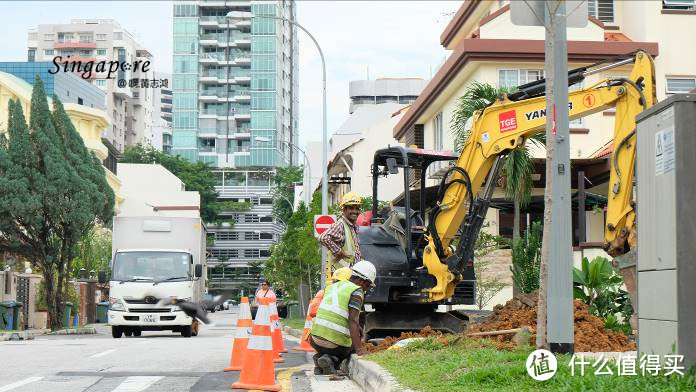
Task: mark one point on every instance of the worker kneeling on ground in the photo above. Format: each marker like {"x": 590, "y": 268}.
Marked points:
{"x": 336, "y": 331}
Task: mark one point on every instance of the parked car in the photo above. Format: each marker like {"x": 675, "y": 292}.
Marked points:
{"x": 228, "y": 304}
{"x": 209, "y": 303}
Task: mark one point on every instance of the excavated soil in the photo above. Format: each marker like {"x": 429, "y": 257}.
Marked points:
{"x": 590, "y": 334}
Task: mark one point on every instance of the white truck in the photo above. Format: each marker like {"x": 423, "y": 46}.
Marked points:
{"x": 154, "y": 260}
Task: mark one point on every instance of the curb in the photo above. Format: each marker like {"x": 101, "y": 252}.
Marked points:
{"x": 371, "y": 377}
{"x": 78, "y": 331}
{"x": 292, "y": 332}
{"x": 368, "y": 375}
{"x": 23, "y": 335}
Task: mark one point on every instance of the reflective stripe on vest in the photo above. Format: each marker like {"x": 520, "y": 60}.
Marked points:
{"x": 331, "y": 322}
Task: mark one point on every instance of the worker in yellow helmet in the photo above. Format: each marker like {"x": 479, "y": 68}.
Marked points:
{"x": 340, "y": 274}
{"x": 341, "y": 239}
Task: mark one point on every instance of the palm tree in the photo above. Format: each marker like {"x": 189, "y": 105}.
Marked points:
{"x": 518, "y": 167}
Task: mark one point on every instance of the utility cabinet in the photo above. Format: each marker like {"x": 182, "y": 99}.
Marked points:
{"x": 666, "y": 225}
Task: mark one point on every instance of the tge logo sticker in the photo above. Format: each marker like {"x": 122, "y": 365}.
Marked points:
{"x": 507, "y": 120}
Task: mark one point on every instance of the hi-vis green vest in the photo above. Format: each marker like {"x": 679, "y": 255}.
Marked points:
{"x": 331, "y": 322}
{"x": 347, "y": 248}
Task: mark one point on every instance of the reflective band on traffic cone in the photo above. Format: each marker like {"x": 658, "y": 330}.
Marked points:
{"x": 241, "y": 339}
{"x": 277, "y": 330}
{"x": 304, "y": 340}
{"x": 257, "y": 370}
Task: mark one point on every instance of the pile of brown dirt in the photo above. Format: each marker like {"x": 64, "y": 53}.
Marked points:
{"x": 590, "y": 334}
{"x": 390, "y": 340}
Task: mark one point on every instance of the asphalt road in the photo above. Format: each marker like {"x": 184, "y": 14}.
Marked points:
{"x": 155, "y": 362}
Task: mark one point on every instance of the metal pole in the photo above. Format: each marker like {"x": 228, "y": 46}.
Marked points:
{"x": 560, "y": 283}
{"x": 324, "y": 136}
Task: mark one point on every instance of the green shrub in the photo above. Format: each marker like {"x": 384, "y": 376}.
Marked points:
{"x": 526, "y": 259}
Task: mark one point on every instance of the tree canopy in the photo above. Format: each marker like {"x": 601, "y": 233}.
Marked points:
{"x": 52, "y": 192}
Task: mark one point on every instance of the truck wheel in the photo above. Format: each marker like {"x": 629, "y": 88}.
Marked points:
{"x": 137, "y": 332}
{"x": 128, "y": 332}
{"x": 186, "y": 331}
{"x": 116, "y": 332}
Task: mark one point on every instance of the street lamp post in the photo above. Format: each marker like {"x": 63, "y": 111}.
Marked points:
{"x": 324, "y": 136}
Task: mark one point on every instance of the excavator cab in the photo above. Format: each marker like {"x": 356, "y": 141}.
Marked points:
{"x": 395, "y": 241}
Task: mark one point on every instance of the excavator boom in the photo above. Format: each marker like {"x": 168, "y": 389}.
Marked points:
{"x": 506, "y": 125}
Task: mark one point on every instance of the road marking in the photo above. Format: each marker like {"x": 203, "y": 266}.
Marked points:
{"x": 284, "y": 376}
{"x": 101, "y": 354}
{"x": 19, "y": 383}
{"x": 136, "y": 383}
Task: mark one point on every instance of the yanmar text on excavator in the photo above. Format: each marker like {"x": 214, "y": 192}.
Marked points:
{"x": 424, "y": 256}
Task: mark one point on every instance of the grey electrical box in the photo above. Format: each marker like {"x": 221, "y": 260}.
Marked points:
{"x": 666, "y": 225}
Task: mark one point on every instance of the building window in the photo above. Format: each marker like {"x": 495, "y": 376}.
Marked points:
{"x": 679, "y": 4}
{"x": 100, "y": 83}
{"x": 266, "y": 236}
{"x": 680, "y": 85}
{"x": 267, "y": 219}
{"x": 387, "y": 99}
{"x": 511, "y": 78}
{"x": 207, "y": 145}
{"x": 101, "y": 52}
{"x": 101, "y": 37}
{"x": 601, "y": 9}
{"x": 85, "y": 52}
{"x": 437, "y": 125}
{"x": 48, "y": 52}
{"x": 86, "y": 38}
{"x": 48, "y": 37}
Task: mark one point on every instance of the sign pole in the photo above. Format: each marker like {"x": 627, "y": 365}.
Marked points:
{"x": 560, "y": 278}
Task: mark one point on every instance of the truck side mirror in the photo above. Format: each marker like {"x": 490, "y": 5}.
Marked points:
{"x": 102, "y": 277}
{"x": 198, "y": 270}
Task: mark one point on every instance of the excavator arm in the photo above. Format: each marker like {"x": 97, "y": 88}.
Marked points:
{"x": 467, "y": 187}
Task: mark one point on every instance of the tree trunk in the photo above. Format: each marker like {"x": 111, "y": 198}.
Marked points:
{"x": 515, "y": 235}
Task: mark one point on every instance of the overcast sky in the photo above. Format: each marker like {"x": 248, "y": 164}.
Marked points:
{"x": 391, "y": 38}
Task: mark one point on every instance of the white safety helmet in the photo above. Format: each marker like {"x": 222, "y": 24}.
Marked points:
{"x": 366, "y": 270}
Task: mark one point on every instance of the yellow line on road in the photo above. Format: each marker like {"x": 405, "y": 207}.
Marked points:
{"x": 284, "y": 379}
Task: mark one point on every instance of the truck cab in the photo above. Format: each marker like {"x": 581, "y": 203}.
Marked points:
{"x": 142, "y": 284}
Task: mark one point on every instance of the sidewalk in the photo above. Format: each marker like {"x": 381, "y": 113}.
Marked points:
{"x": 319, "y": 383}
{"x": 28, "y": 334}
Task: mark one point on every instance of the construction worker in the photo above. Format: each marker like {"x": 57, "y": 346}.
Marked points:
{"x": 336, "y": 332}
{"x": 341, "y": 239}
{"x": 338, "y": 275}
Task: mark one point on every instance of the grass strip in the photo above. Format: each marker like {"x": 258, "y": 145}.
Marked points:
{"x": 465, "y": 364}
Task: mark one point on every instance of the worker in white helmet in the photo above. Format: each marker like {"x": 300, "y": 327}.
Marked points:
{"x": 336, "y": 330}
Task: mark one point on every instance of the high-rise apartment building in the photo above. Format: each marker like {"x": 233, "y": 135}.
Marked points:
{"x": 235, "y": 107}
{"x": 102, "y": 40}
{"x": 161, "y": 136}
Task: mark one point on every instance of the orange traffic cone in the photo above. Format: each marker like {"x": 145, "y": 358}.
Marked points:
{"x": 278, "y": 333}
{"x": 257, "y": 370}
{"x": 304, "y": 340}
{"x": 241, "y": 339}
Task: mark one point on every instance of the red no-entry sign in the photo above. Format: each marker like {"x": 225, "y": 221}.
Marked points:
{"x": 322, "y": 223}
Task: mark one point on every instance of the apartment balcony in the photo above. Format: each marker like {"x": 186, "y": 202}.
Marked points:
{"x": 207, "y": 97}
{"x": 75, "y": 44}
{"x": 207, "y": 132}
{"x": 208, "y": 79}
{"x": 245, "y": 80}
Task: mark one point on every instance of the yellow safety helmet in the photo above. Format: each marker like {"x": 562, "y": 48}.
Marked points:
{"x": 351, "y": 199}
{"x": 343, "y": 273}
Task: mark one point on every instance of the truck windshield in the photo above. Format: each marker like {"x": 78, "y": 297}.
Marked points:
{"x": 151, "y": 266}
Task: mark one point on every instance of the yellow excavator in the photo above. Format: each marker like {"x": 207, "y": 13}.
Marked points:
{"x": 421, "y": 266}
